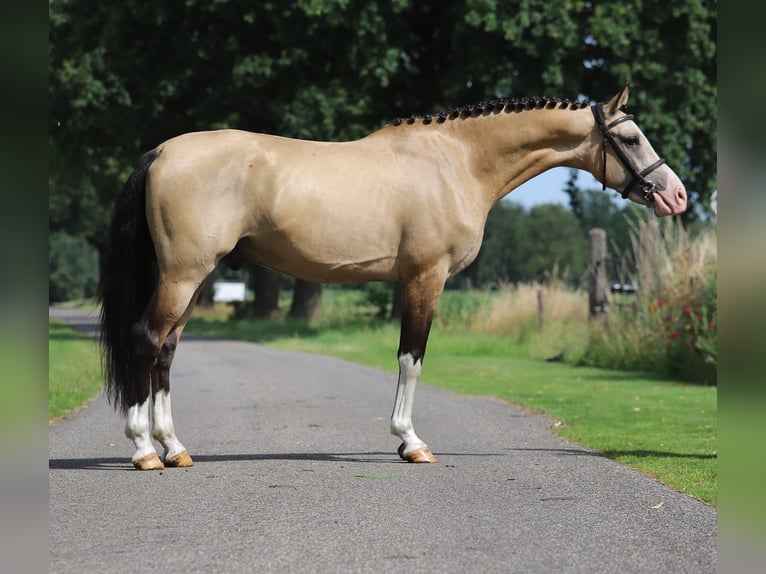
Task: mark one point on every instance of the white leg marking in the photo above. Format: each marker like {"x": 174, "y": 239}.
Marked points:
{"x": 401, "y": 418}
{"x": 163, "y": 429}
{"x": 137, "y": 429}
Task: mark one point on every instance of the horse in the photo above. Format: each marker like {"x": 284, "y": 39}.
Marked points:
{"x": 407, "y": 203}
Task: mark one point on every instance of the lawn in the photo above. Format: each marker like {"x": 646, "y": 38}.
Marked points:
{"x": 74, "y": 370}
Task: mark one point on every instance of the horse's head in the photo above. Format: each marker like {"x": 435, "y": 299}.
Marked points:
{"x": 630, "y": 165}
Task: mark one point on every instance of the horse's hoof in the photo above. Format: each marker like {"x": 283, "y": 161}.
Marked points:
{"x": 422, "y": 454}
{"x": 149, "y": 462}
{"x": 180, "y": 460}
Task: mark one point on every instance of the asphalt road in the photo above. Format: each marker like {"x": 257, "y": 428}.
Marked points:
{"x": 295, "y": 471}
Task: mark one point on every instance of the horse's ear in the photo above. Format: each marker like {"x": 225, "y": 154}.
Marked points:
{"x": 614, "y": 105}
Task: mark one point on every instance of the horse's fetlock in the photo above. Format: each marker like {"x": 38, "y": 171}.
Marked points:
{"x": 159, "y": 434}
{"x": 401, "y": 428}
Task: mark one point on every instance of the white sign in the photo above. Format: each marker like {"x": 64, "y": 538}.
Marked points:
{"x": 227, "y": 291}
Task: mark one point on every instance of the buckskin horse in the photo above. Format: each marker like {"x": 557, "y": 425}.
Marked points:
{"x": 406, "y": 203}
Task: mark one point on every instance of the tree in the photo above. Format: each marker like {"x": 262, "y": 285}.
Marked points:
{"x": 521, "y": 245}
{"x": 553, "y": 242}
{"x": 597, "y": 208}
{"x": 500, "y": 257}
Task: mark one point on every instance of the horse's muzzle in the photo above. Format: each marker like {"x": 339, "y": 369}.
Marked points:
{"x": 670, "y": 199}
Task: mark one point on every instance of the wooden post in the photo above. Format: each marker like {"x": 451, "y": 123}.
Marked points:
{"x": 540, "y": 308}
{"x": 597, "y": 282}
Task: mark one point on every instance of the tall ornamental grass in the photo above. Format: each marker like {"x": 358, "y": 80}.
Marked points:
{"x": 670, "y": 326}
{"x": 548, "y": 319}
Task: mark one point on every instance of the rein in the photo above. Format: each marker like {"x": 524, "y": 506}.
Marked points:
{"x": 639, "y": 177}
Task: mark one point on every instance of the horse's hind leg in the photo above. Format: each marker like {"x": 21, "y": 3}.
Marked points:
{"x": 162, "y": 430}
{"x": 154, "y": 339}
{"x": 146, "y": 345}
{"x": 421, "y": 296}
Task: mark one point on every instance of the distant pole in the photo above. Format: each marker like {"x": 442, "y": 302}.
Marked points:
{"x": 597, "y": 282}
{"x": 540, "y": 308}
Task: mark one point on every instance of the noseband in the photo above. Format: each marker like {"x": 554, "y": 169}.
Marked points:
{"x": 639, "y": 177}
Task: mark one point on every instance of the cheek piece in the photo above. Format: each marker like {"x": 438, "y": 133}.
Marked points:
{"x": 639, "y": 177}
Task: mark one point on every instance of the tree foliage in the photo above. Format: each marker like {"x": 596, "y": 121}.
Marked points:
{"x": 72, "y": 268}
{"x": 597, "y": 208}
{"x": 528, "y": 245}
{"x": 126, "y": 76}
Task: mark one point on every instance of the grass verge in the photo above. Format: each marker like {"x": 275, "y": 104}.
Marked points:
{"x": 74, "y": 370}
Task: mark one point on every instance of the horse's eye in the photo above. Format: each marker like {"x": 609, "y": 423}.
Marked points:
{"x": 631, "y": 141}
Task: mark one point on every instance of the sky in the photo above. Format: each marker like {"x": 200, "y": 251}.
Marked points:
{"x": 548, "y": 187}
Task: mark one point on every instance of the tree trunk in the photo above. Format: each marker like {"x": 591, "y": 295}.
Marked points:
{"x": 307, "y": 298}
{"x": 265, "y": 285}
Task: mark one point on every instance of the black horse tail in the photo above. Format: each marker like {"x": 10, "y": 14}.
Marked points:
{"x": 128, "y": 280}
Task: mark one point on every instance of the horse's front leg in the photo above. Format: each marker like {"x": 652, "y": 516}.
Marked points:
{"x": 421, "y": 295}
{"x": 162, "y": 430}
{"x": 412, "y": 448}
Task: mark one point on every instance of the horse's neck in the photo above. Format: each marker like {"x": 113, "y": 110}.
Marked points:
{"x": 519, "y": 146}
{"x": 507, "y": 149}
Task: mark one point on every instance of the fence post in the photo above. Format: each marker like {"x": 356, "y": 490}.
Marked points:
{"x": 597, "y": 282}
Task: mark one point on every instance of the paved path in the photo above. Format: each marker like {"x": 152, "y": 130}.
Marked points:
{"x": 295, "y": 471}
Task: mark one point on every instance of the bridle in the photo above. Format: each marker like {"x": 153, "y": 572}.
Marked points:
{"x": 639, "y": 177}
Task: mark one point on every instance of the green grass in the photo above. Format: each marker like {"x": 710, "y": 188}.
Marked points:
{"x": 74, "y": 370}
{"x": 663, "y": 428}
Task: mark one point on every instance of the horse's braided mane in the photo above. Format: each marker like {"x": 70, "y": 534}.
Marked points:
{"x": 496, "y": 106}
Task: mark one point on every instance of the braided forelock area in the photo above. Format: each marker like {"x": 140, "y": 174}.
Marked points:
{"x": 500, "y": 105}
